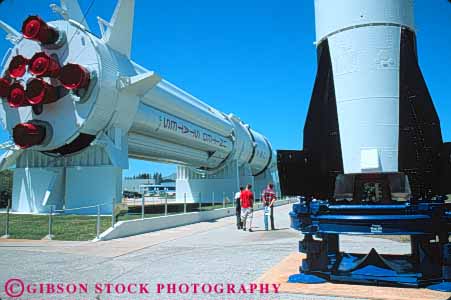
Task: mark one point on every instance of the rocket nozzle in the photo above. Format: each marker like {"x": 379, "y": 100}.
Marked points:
{"x": 36, "y": 29}
{"x": 26, "y": 135}
{"x": 73, "y": 76}
{"x": 4, "y": 87}
{"x": 16, "y": 96}
{"x": 43, "y": 65}
{"x": 40, "y": 92}
{"x": 17, "y": 66}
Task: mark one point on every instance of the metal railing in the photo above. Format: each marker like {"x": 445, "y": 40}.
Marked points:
{"x": 59, "y": 223}
{"x": 146, "y": 206}
{"x": 156, "y": 206}
{"x": 7, "y": 236}
{"x": 69, "y": 224}
{"x": 68, "y": 210}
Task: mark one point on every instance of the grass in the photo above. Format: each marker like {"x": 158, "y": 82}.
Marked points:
{"x": 83, "y": 228}
{"x": 64, "y": 227}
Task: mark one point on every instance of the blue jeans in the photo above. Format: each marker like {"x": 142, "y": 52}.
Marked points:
{"x": 265, "y": 216}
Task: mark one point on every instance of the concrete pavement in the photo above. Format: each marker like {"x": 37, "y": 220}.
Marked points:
{"x": 209, "y": 252}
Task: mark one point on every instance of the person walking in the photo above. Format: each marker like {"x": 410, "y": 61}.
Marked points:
{"x": 247, "y": 207}
{"x": 239, "y": 223}
{"x": 269, "y": 198}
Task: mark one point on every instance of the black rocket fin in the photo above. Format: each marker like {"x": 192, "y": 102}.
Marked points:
{"x": 420, "y": 138}
{"x": 313, "y": 170}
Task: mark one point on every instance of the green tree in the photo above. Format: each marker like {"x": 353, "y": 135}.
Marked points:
{"x": 158, "y": 177}
{"x": 6, "y": 187}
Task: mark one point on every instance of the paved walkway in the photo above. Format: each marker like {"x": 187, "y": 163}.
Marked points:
{"x": 209, "y": 252}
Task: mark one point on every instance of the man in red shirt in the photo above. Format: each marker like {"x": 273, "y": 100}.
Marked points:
{"x": 247, "y": 207}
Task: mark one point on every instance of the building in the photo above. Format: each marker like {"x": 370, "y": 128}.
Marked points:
{"x": 136, "y": 185}
{"x": 149, "y": 186}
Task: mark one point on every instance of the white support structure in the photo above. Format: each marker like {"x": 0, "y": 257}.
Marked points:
{"x": 81, "y": 180}
{"x": 220, "y": 186}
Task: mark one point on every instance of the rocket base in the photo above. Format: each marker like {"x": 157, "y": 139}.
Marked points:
{"x": 427, "y": 224}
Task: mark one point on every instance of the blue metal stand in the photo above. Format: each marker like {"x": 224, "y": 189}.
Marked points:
{"x": 427, "y": 223}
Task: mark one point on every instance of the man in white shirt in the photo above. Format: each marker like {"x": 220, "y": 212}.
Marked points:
{"x": 239, "y": 223}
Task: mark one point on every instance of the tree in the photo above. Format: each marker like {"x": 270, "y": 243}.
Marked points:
{"x": 142, "y": 176}
{"x": 158, "y": 177}
{"x": 6, "y": 187}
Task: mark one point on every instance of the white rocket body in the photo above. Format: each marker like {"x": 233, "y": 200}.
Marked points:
{"x": 127, "y": 111}
{"x": 164, "y": 122}
{"x": 364, "y": 43}
{"x": 371, "y": 121}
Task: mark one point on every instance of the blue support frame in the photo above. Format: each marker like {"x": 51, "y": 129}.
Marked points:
{"x": 427, "y": 223}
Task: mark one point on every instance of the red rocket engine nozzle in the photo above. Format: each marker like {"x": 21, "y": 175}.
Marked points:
{"x": 26, "y": 135}
{"x": 43, "y": 65}
{"x": 73, "y": 76}
{"x": 17, "y": 66}
{"x": 36, "y": 29}
{"x": 16, "y": 96}
{"x": 4, "y": 87}
{"x": 40, "y": 92}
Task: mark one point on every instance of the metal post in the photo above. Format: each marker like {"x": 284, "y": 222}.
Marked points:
{"x": 213, "y": 199}
{"x": 7, "y": 223}
{"x": 184, "y": 203}
{"x": 6, "y": 236}
{"x": 233, "y": 200}
{"x": 98, "y": 221}
{"x": 113, "y": 216}
{"x": 142, "y": 207}
{"x": 200, "y": 202}
{"x": 49, "y": 235}
{"x": 51, "y": 221}
{"x": 223, "y": 200}
{"x": 166, "y": 204}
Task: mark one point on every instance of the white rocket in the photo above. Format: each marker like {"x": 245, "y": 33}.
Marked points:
{"x": 72, "y": 99}
{"x": 371, "y": 120}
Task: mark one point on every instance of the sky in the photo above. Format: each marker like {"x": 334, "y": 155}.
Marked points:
{"x": 253, "y": 58}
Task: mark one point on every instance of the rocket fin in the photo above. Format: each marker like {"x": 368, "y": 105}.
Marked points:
{"x": 73, "y": 11}
{"x": 115, "y": 144}
{"x": 420, "y": 135}
{"x": 295, "y": 175}
{"x": 120, "y": 30}
{"x": 139, "y": 84}
{"x": 313, "y": 171}
{"x": 444, "y": 174}
{"x": 9, "y": 158}
{"x": 12, "y": 35}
